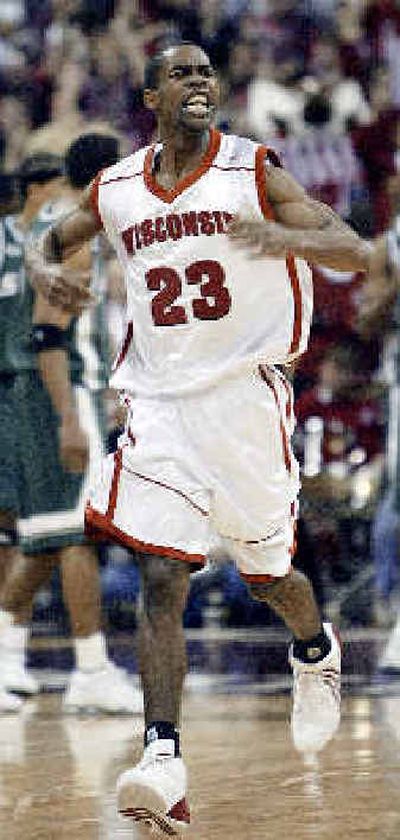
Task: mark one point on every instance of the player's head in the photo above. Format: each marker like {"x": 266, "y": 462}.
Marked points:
{"x": 38, "y": 171}
{"x": 87, "y": 155}
{"x": 181, "y": 88}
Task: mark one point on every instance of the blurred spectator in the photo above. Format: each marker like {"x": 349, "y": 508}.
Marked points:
{"x": 275, "y": 99}
{"x": 376, "y": 146}
{"x": 347, "y": 101}
{"x": 340, "y": 442}
{"x": 322, "y": 158}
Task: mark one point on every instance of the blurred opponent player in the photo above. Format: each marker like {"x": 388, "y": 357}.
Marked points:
{"x": 46, "y": 172}
{"x": 62, "y": 371}
{"x": 207, "y": 445}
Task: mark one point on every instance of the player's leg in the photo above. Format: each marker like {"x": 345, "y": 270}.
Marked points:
{"x": 292, "y": 598}
{"x": 25, "y": 577}
{"x": 314, "y": 653}
{"x": 257, "y": 506}
{"x": 95, "y": 683}
{"x": 155, "y": 789}
{"x": 8, "y": 540}
{"x": 8, "y": 555}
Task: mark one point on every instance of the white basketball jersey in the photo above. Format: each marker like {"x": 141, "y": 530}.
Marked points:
{"x": 198, "y": 308}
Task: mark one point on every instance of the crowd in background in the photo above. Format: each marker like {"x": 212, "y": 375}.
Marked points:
{"x": 319, "y": 81}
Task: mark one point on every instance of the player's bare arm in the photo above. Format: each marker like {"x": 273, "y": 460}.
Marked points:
{"x": 304, "y": 227}
{"x": 51, "y": 267}
{"x": 49, "y": 334}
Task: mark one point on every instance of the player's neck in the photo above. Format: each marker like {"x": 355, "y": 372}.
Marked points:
{"x": 180, "y": 156}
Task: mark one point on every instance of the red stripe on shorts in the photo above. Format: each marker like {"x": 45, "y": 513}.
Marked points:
{"x": 99, "y": 527}
{"x": 112, "y": 499}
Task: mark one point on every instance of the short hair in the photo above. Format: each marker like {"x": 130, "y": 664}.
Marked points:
{"x": 155, "y": 63}
{"x": 38, "y": 169}
{"x": 87, "y": 155}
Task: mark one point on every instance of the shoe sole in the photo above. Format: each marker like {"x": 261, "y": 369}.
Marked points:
{"x": 150, "y": 812}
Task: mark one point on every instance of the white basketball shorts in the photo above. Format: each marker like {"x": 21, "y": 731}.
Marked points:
{"x": 192, "y": 470}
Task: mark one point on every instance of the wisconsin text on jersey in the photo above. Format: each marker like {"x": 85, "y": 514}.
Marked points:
{"x": 174, "y": 226}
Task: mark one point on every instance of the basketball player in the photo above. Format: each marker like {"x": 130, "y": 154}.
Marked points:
{"x": 207, "y": 443}
{"x": 46, "y": 171}
{"x": 62, "y": 365}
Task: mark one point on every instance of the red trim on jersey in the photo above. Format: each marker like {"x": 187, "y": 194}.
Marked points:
{"x": 261, "y": 154}
{"x": 125, "y": 347}
{"x": 112, "y": 499}
{"x": 293, "y": 547}
{"x": 99, "y": 527}
{"x": 285, "y": 441}
{"x": 94, "y": 198}
{"x": 296, "y": 290}
{"x": 205, "y": 164}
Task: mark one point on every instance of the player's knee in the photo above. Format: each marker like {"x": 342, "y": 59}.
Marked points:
{"x": 165, "y": 586}
{"x": 263, "y": 590}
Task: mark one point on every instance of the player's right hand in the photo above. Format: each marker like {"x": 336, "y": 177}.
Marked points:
{"x": 74, "y": 445}
{"x": 60, "y": 286}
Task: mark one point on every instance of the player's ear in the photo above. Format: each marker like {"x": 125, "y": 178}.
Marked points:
{"x": 151, "y": 98}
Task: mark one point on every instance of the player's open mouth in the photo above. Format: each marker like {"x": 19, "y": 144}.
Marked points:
{"x": 198, "y": 105}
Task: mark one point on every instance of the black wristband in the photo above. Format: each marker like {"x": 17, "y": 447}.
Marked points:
{"x": 47, "y": 337}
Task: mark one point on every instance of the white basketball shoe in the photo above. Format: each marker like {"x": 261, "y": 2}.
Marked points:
{"x": 316, "y": 698}
{"x": 15, "y": 675}
{"x": 153, "y": 793}
{"x": 9, "y": 702}
{"x": 108, "y": 691}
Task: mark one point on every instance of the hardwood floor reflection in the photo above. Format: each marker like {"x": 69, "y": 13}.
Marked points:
{"x": 58, "y": 773}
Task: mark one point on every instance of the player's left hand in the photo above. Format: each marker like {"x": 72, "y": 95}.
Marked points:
{"x": 260, "y": 238}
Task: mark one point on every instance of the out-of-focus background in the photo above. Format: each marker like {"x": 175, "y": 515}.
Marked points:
{"x": 319, "y": 81}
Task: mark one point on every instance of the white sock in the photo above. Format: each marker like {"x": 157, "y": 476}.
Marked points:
{"x": 391, "y": 653}
{"x": 91, "y": 652}
{"x": 13, "y": 636}
{"x": 6, "y": 620}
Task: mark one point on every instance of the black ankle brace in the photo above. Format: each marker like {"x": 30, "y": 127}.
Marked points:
{"x": 312, "y": 650}
{"x": 160, "y": 730}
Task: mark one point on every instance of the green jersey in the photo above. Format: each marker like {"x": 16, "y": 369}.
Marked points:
{"x": 87, "y": 343}
{"x": 12, "y": 275}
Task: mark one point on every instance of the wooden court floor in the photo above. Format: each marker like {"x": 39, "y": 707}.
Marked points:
{"x": 58, "y": 773}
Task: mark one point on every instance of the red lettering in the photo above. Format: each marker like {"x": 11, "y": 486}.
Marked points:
{"x": 161, "y": 233}
{"x": 219, "y": 221}
{"x": 227, "y": 218}
{"x": 207, "y": 225}
{"x": 137, "y": 237}
{"x": 127, "y": 238}
{"x": 147, "y": 231}
{"x": 174, "y": 226}
{"x": 190, "y": 224}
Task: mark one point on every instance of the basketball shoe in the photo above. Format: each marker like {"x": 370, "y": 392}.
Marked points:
{"x": 153, "y": 793}
{"x": 316, "y": 698}
{"x": 107, "y": 690}
{"x": 8, "y": 702}
{"x": 14, "y": 673}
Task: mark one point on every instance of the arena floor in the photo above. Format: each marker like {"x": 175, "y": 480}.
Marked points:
{"x": 247, "y": 782}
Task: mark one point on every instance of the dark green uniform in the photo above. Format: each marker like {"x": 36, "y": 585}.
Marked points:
{"x": 11, "y": 289}
{"x": 53, "y": 501}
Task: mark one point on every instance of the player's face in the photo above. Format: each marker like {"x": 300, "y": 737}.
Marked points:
{"x": 188, "y": 91}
